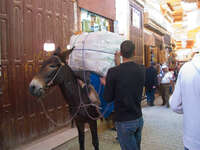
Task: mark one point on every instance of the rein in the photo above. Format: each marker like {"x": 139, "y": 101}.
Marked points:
{"x": 81, "y": 105}
{"x": 51, "y": 120}
{"x": 49, "y": 84}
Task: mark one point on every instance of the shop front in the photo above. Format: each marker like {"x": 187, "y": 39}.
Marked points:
{"x": 136, "y": 27}
{"x": 92, "y": 22}
{"x": 154, "y": 48}
{"x": 149, "y": 44}
{"x": 96, "y": 15}
{"x": 155, "y": 29}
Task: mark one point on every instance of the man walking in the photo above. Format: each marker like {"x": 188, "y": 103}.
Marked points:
{"x": 124, "y": 86}
{"x": 166, "y": 82}
{"x": 186, "y": 100}
{"x": 151, "y": 83}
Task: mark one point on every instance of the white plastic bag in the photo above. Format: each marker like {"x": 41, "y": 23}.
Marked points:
{"x": 94, "y": 51}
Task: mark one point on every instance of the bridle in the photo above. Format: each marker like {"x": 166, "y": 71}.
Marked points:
{"x": 81, "y": 105}
{"x": 62, "y": 64}
{"x": 48, "y": 85}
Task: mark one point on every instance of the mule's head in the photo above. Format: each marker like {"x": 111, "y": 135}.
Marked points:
{"x": 50, "y": 73}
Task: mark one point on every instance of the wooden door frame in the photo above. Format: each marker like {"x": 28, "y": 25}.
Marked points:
{"x": 134, "y": 4}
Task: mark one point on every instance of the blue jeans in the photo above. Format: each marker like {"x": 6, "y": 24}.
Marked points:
{"x": 150, "y": 96}
{"x": 130, "y": 134}
{"x": 186, "y": 148}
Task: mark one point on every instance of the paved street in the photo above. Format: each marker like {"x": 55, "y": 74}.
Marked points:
{"x": 162, "y": 131}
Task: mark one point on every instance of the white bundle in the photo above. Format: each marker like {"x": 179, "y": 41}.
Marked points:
{"x": 94, "y": 51}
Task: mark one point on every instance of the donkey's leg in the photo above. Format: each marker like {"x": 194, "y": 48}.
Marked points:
{"x": 93, "y": 128}
{"x": 81, "y": 134}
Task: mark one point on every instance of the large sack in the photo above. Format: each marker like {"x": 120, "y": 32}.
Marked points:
{"x": 94, "y": 51}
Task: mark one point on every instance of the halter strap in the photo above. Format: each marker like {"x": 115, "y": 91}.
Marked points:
{"x": 60, "y": 61}
{"x": 62, "y": 65}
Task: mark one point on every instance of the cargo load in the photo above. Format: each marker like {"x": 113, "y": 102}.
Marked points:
{"x": 94, "y": 51}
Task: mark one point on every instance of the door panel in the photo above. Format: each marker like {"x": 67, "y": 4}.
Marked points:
{"x": 24, "y": 26}
{"x": 136, "y": 32}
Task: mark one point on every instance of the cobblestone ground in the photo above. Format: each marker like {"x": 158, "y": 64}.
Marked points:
{"x": 162, "y": 131}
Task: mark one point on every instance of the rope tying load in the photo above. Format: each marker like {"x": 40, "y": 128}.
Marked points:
{"x": 94, "y": 51}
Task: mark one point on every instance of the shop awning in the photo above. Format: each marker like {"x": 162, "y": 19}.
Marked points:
{"x": 152, "y": 25}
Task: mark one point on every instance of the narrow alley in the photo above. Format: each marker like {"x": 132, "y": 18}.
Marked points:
{"x": 71, "y": 64}
{"x": 162, "y": 131}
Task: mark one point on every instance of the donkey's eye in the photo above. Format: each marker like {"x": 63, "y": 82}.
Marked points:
{"x": 53, "y": 66}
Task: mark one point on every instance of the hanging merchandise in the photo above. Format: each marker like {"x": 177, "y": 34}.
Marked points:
{"x": 94, "y": 51}
{"x": 92, "y": 22}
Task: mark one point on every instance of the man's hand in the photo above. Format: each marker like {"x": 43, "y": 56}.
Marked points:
{"x": 103, "y": 80}
{"x": 117, "y": 58}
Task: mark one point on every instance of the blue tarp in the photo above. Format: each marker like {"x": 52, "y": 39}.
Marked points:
{"x": 107, "y": 108}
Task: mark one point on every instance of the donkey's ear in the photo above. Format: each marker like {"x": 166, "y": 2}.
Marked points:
{"x": 65, "y": 55}
{"x": 57, "y": 51}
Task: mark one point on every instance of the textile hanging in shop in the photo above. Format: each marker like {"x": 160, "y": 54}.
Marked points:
{"x": 92, "y": 22}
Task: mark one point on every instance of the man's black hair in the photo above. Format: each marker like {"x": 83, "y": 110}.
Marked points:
{"x": 127, "y": 48}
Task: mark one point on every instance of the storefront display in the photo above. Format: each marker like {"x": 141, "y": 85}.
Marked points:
{"x": 92, "y": 22}
{"x": 154, "y": 49}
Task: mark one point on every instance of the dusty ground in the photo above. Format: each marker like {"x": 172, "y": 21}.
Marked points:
{"x": 162, "y": 131}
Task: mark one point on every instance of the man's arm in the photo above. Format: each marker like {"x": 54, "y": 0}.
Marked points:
{"x": 109, "y": 87}
{"x": 176, "y": 99}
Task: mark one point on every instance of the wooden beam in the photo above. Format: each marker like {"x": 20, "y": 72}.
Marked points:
{"x": 175, "y": 4}
{"x": 178, "y": 19}
{"x": 178, "y": 12}
{"x": 177, "y": 25}
{"x": 173, "y": 1}
{"x": 198, "y": 3}
{"x": 190, "y": 43}
{"x": 168, "y": 18}
{"x": 192, "y": 33}
{"x": 170, "y": 6}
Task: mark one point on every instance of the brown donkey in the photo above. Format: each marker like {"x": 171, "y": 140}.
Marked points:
{"x": 55, "y": 71}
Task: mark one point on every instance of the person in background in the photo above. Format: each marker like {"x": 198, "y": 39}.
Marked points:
{"x": 176, "y": 71}
{"x": 151, "y": 83}
{"x": 124, "y": 86}
{"x": 160, "y": 73}
{"x": 165, "y": 83}
{"x": 186, "y": 100}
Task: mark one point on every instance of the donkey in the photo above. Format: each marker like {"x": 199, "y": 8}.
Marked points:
{"x": 55, "y": 71}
